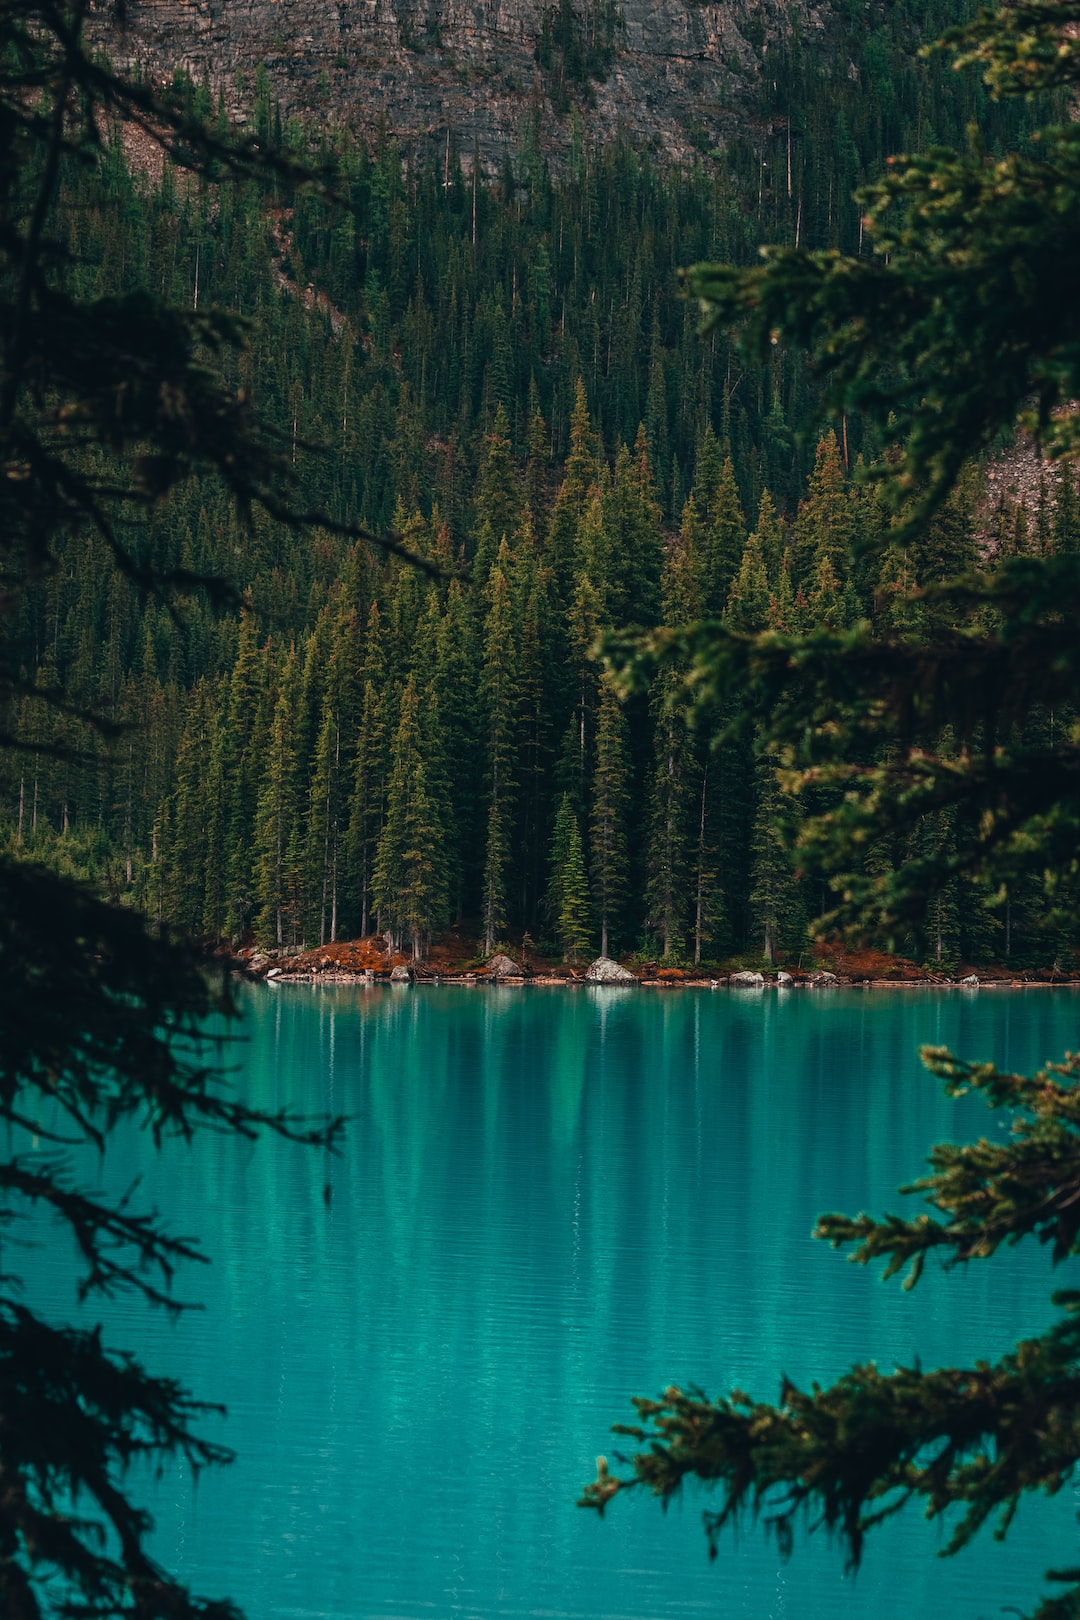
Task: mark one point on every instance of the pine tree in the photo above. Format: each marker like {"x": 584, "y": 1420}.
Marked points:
{"x": 457, "y": 663}
{"x": 724, "y": 525}
{"x": 567, "y": 899}
{"x": 824, "y": 524}
{"x": 499, "y": 493}
{"x": 276, "y": 814}
{"x": 673, "y": 786}
{"x": 634, "y": 523}
{"x": 1065, "y": 528}
{"x": 409, "y": 879}
{"x": 367, "y": 804}
{"x": 572, "y": 928}
{"x": 243, "y": 742}
{"x": 609, "y": 854}
{"x": 579, "y": 479}
{"x": 777, "y": 913}
{"x": 498, "y": 697}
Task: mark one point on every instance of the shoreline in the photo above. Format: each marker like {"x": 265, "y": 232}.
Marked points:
{"x": 545, "y": 982}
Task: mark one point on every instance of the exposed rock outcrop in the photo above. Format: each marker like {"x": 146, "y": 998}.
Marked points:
{"x": 465, "y": 75}
{"x": 605, "y": 971}
{"x": 502, "y": 967}
{"x": 400, "y": 975}
{"x": 747, "y": 981}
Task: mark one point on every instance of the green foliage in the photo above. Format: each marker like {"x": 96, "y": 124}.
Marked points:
{"x": 608, "y": 816}
{"x": 112, "y": 400}
{"x": 930, "y": 736}
{"x": 568, "y": 887}
{"x": 410, "y": 867}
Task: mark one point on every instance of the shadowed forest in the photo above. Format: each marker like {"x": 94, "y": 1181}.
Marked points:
{"x": 501, "y": 370}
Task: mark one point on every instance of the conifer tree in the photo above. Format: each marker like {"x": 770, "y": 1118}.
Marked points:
{"x": 724, "y": 525}
{"x": 1065, "y": 528}
{"x": 276, "y": 815}
{"x": 457, "y": 662}
{"x": 824, "y": 524}
{"x": 708, "y": 895}
{"x": 579, "y": 478}
{"x": 567, "y": 899}
{"x": 326, "y": 822}
{"x": 777, "y": 913}
{"x": 534, "y": 732}
{"x": 634, "y": 523}
{"x": 573, "y": 921}
{"x": 367, "y": 804}
{"x": 409, "y": 879}
{"x": 498, "y": 696}
{"x": 536, "y": 462}
{"x": 499, "y": 494}
{"x": 243, "y": 741}
{"x": 673, "y": 786}
{"x": 609, "y": 856}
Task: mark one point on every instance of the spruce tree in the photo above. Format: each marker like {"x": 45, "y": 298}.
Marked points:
{"x": 409, "y": 879}
{"x": 498, "y": 698}
{"x": 457, "y": 673}
{"x": 567, "y": 900}
{"x": 499, "y": 494}
{"x": 673, "y": 785}
{"x": 276, "y": 815}
{"x": 579, "y": 479}
{"x": 778, "y": 915}
{"x": 724, "y": 536}
{"x": 367, "y": 803}
{"x": 610, "y": 802}
{"x": 824, "y": 524}
{"x": 572, "y": 928}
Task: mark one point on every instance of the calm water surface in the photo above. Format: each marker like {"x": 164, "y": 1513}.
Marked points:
{"x": 547, "y": 1202}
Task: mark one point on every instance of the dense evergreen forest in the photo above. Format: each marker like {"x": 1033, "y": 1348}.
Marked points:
{"x": 501, "y": 370}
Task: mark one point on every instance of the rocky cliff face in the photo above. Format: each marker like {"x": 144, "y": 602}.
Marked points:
{"x": 470, "y": 74}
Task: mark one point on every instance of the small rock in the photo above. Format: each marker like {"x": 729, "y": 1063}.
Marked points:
{"x": 501, "y": 967}
{"x": 784, "y": 981}
{"x": 273, "y": 973}
{"x": 747, "y": 981}
{"x": 400, "y": 975}
{"x": 822, "y": 980}
{"x": 972, "y": 981}
{"x": 605, "y": 971}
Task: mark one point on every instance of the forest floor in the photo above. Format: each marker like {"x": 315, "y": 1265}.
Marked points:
{"x": 457, "y": 956}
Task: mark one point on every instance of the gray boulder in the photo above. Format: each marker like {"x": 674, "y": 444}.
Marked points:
{"x": 747, "y": 981}
{"x": 503, "y": 967}
{"x": 605, "y": 971}
{"x": 822, "y": 980}
{"x": 784, "y": 981}
{"x": 400, "y": 975}
{"x": 972, "y": 981}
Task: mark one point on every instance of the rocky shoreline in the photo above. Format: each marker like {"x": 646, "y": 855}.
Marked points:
{"x": 354, "y": 966}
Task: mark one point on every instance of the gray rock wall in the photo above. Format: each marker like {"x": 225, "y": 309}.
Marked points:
{"x": 465, "y": 69}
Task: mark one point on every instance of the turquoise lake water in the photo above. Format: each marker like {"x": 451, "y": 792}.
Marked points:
{"x": 549, "y": 1201}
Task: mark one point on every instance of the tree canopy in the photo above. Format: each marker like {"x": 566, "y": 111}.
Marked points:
{"x": 955, "y": 720}
{"x": 106, "y": 403}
